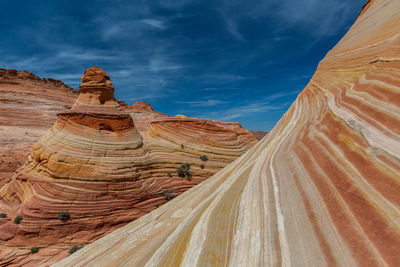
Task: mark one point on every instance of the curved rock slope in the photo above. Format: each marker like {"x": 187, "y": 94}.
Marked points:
{"x": 322, "y": 189}
{"x": 94, "y": 164}
{"x": 28, "y": 107}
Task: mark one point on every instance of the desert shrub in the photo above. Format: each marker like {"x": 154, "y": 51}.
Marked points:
{"x": 3, "y": 215}
{"x": 169, "y": 175}
{"x": 181, "y": 172}
{"x": 157, "y": 205}
{"x": 184, "y": 171}
{"x": 63, "y": 216}
{"x": 204, "y": 158}
{"x": 182, "y": 146}
{"x": 74, "y": 249}
{"x": 34, "y": 250}
{"x": 202, "y": 166}
{"x": 17, "y": 219}
{"x": 169, "y": 195}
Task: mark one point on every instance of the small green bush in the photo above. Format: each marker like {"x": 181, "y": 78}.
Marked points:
{"x": 202, "y": 166}
{"x": 157, "y": 205}
{"x": 182, "y": 146}
{"x": 169, "y": 175}
{"x": 204, "y": 158}
{"x": 17, "y": 219}
{"x": 169, "y": 195}
{"x": 3, "y": 215}
{"x": 74, "y": 249}
{"x": 34, "y": 250}
{"x": 63, "y": 216}
{"x": 184, "y": 171}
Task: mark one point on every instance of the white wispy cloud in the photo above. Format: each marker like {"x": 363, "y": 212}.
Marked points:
{"x": 281, "y": 94}
{"x": 280, "y": 38}
{"x": 301, "y": 77}
{"x": 161, "y": 63}
{"x": 244, "y": 111}
{"x": 65, "y": 57}
{"x": 72, "y": 79}
{"x": 111, "y": 30}
{"x": 174, "y": 4}
{"x": 223, "y": 77}
{"x": 319, "y": 18}
{"x": 155, "y": 23}
{"x": 232, "y": 26}
{"x": 221, "y": 89}
{"x": 203, "y": 103}
{"x": 88, "y": 55}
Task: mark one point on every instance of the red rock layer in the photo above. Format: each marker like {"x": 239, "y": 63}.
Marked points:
{"x": 28, "y": 107}
{"x": 321, "y": 189}
{"x": 96, "y": 165}
{"x": 259, "y": 134}
{"x": 143, "y": 114}
{"x": 141, "y": 107}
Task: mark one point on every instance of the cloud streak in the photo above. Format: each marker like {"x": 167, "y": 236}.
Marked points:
{"x": 154, "y": 23}
{"x": 203, "y": 103}
{"x": 244, "y": 111}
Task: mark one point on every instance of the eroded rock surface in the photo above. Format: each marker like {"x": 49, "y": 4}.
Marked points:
{"x": 96, "y": 165}
{"x": 28, "y": 107}
{"x": 259, "y": 134}
{"x": 321, "y": 189}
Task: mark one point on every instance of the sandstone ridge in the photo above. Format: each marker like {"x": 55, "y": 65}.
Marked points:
{"x": 95, "y": 164}
{"x": 321, "y": 189}
{"x": 11, "y": 76}
{"x": 28, "y": 107}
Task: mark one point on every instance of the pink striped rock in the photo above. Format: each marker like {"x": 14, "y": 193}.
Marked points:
{"x": 96, "y": 165}
{"x": 321, "y": 189}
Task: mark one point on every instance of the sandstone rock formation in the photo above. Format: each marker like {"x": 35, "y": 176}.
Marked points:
{"x": 321, "y": 189}
{"x": 28, "y": 107}
{"x": 143, "y": 113}
{"x": 259, "y": 134}
{"x": 97, "y": 167}
{"x": 141, "y": 107}
{"x": 180, "y": 116}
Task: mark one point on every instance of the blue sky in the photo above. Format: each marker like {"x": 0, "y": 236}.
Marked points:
{"x": 226, "y": 60}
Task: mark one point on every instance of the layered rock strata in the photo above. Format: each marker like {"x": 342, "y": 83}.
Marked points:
{"x": 28, "y": 107}
{"x": 321, "y": 189}
{"x": 143, "y": 114}
{"x": 95, "y": 165}
{"x": 259, "y": 134}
